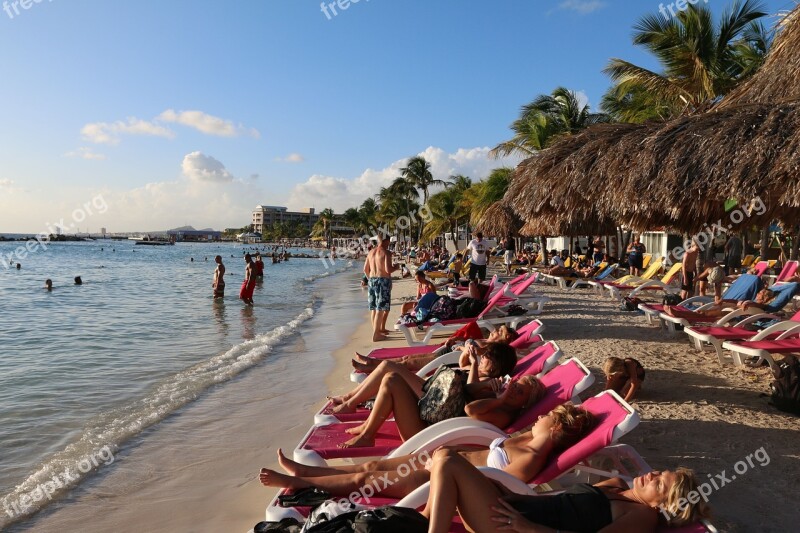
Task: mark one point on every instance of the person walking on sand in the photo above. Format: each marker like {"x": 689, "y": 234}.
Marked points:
{"x": 378, "y": 268}
{"x": 249, "y": 283}
{"x": 219, "y": 281}
{"x": 478, "y": 258}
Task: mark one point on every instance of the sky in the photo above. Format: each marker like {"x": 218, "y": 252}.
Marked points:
{"x": 148, "y": 115}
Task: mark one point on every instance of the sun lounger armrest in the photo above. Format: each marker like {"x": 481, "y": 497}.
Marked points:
{"x": 697, "y": 299}
{"x": 754, "y": 318}
{"x": 446, "y": 431}
{"x": 445, "y": 359}
{"x": 788, "y": 326}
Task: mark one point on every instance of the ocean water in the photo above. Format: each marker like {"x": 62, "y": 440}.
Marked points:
{"x": 85, "y": 369}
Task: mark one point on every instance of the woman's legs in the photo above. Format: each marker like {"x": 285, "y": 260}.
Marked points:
{"x": 370, "y": 386}
{"x": 414, "y": 462}
{"x": 395, "y": 395}
{"x": 385, "y": 483}
{"x": 457, "y": 484}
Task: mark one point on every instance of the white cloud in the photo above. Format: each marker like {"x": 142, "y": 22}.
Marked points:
{"x": 109, "y": 133}
{"x": 200, "y": 167}
{"x": 208, "y": 124}
{"x": 339, "y": 193}
{"x": 85, "y": 153}
{"x": 5, "y": 182}
{"x": 291, "y": 158}
{"x": 584, "y": 7}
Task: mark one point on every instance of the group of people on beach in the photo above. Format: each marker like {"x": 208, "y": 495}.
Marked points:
{"x": 490, "y": 396}
{"x": 253, "y": 272}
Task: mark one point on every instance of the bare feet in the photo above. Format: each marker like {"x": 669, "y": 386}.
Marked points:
{"x": 360, "y": 441}
{"x": 343, "y": 408}
{"x": 378, "y": 337}
{"x": 271, "y": 478}
{"x": 337, "y": 400}
{"x": 356, "y": 430}
{"x": 364, "y": 367}
{"x": 292, "y": 468}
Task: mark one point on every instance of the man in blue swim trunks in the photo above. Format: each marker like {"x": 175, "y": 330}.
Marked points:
{"x": 378, "y": 268}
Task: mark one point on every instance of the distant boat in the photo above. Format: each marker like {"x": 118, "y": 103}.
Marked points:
{"x": 150, "y": 241}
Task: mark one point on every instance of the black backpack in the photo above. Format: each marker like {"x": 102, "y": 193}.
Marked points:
{"x": 630, "y": 304}
{"x": 672, "y": 299}
{"x": 380, "y": 520}
{"x": 470, "y": 308}
{"x": 786, "y": 387}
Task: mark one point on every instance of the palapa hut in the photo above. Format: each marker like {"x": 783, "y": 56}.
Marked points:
{"x": 679, "y": 174}
{"x": 500, "y": 220}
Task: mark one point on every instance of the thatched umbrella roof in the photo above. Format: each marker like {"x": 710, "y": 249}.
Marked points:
{"x": 555, "y": 225}
{"x": 500, "y": 220}
{"x": 677, "y": 174}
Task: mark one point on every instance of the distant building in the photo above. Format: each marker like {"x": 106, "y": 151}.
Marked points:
{"x": 265, "y": 216}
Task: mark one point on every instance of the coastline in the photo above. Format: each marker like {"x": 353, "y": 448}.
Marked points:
{"x": 197, "y": 470}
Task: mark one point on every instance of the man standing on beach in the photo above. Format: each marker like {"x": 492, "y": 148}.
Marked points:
{"x": 733, "y": 254}
{"x": 219, "y": 281}
{"x": 378, "y": 268}
{"x": 478, "y": 257}
{"x": 688, "y": 269}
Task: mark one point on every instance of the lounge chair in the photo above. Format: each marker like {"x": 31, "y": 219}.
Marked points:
{"x": 762, "y": 349}
{"x": 564, "y": 281}
{"x": 789, "y": 269}
{"x": 616, "y": 418}
{"x": 651, "y": 271}
{"x": 745, "y": 287}
{"x": 637, "y": 287}
{"x": 492, "y": 314}
{"x": 786, "y": 293}
{"x": 604, "y": 275}
{"x": 714, "y": 336}
{"x": 545, "y": 354}
{"x": 563, "y": 383}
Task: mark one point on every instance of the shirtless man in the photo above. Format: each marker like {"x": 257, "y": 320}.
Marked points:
{"x": 688, "y": 270}
{"x": 219, "y": 282}
{"x": 378, "y": 268}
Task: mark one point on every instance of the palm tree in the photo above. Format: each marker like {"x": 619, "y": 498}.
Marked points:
{"x": 352, "y": 218}
{"x": 447, "y": 208}
{"x": 484, "y": 193}
{"x": 369, "y": 212}
{"x": 701, "y": 61}
{"x": 322, "y": 226}
{"x": 545, "y": 119}
{"x": 418, "y": 172}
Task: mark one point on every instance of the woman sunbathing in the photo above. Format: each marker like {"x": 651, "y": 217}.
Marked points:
{"x": 399, "y": 392}
{"x": 763, "y": 298}
{"x": 504, "y": 334}
{"x": 609, "y": 506}
{"x": 523, "y": 456}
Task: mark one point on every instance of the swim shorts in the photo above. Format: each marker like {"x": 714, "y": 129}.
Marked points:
{"x": 687, "y": 281}
{"x": 379, "y": 291}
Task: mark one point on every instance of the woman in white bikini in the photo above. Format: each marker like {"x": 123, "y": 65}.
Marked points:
{"x": 522, "y": 456}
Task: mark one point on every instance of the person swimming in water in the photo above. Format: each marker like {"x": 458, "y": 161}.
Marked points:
{"x": 48, "y": 284}
{"x": 219, "y": 281}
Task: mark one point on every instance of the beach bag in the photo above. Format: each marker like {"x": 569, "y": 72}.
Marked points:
{"x": 671, "y": 299}
{"x": 470, "y": 308}
{"x": 786, "y": 387}
{"x": 470, "y": 331}
{"x": 386, "y": 519}
{"x": 443, "y": 396}
{"x": 516, "y": 310}
{"x": 630, "y": 304}
{"x": 444, "y": 308}
{"x": 287, "y": 525}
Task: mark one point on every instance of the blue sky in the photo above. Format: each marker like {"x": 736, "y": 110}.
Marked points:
{"x": 192, "y": 112}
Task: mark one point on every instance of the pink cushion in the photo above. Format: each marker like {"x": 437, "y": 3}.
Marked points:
{"x": 325, "y": 441}
{"x": 533, "y": 363}
{"x": 609, "y": 413}
{"x": 560, "y": 385}
{"x": 773, "y": 346}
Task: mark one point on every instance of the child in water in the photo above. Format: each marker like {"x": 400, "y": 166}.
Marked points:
{"x": 624, "y": 376}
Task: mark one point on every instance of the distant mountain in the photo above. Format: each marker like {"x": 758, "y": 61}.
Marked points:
{"x": 191, "y": 228}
